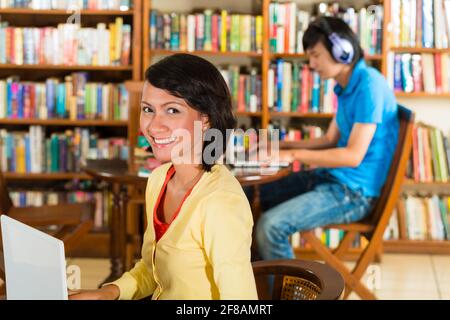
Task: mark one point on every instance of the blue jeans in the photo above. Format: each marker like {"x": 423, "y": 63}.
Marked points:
{"x": 303, "y": 201}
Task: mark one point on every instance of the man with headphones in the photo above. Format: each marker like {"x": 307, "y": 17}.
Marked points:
{"x": 352, "y": 158}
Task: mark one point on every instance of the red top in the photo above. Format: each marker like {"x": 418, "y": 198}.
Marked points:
{"x": 161, "y": 227}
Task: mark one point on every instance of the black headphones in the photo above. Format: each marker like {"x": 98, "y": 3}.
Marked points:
{"x": 342, "y": 49}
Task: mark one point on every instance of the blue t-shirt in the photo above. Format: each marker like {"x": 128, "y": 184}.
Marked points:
{"x": 367, "y": 99}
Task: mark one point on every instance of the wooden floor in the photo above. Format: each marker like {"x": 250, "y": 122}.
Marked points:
{"x": 398, "y": 276}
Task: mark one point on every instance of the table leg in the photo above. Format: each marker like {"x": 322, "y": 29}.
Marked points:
{"x": 114, "y": 242}
{"x": 256, "y": 210}
{"x": 123, "y": 229}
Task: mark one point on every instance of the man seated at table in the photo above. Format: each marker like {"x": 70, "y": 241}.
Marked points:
{"x": 353, "y": 157}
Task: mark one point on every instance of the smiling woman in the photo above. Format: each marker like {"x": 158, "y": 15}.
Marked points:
{"x": 198, "y": 246}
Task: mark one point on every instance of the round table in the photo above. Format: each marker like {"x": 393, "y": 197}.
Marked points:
{"x": 117, "y": 174}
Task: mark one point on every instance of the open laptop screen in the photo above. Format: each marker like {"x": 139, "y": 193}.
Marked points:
{"x": 35, "y": 264}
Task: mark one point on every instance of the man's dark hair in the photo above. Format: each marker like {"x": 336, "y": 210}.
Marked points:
{"x": 202, "y": 86}
{"x": 316, "y": 33}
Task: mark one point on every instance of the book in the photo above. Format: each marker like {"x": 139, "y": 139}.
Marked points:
{"x": 66, "y": 44}
{"x": 60, "y": 99}
{"x": 288, "y": 22}
{"x": 429, "y": 80}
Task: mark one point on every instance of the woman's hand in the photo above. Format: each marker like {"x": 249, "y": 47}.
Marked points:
{"x": 109, "y": 292}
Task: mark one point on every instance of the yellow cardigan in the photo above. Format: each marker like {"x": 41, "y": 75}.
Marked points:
{"x": 205, "y": 253}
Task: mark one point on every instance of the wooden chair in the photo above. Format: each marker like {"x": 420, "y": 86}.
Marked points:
{"x": 297, "y": 280}
{"x": 68, "y": 222}
{"x": 372, "y": 227}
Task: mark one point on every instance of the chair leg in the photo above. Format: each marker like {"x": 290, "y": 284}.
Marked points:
{"x": 350, "y": 278}
{"x": 379, "y": 254}
{"x": 345, "y": 244}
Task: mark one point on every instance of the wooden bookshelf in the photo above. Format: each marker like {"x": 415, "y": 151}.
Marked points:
{"x": 34, "y": 12}
{"x": 417, "y": 246}
{"x": 110, "y": 73}
{"x": 65, "y": 122}
{"x": 248, "y": 114}
{"x": 441, "y": 188}
{"x": 314, "y": 115}
{"x": 288, "y": 55}
{"x": 422, "y": 95}
{"x": 65, "y": 67}
{"x": 45, "y": 176}
{"x": 304, "y": 56}
{"x": 418, "y": 50}
{"x": 409, "y": 186}
{"x": 141, "y": 57}
{"x": 206, "y": 53}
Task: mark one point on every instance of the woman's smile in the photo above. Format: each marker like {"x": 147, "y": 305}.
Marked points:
{"x": 163, "y": 142}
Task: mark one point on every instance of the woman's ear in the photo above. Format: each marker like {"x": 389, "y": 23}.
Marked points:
{"x": 205, "y": 122}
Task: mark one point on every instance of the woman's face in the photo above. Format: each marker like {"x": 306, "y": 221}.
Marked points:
{"x": 161, "y": 118}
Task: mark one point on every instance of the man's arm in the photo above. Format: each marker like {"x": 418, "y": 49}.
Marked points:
{"x": 349, "y": 156}
{"x": 329, "y": 140}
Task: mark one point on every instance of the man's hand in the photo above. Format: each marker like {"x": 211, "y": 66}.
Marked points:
{"x": 109, "y": 292}
{"x": 289, "y": 155}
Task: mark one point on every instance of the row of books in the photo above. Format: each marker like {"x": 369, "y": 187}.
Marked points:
{"x": 430, "y": 157}
{"x": 329, "y": 237}
{"x": 421, "y": 23}
{"x": 420, "y": 218}
{"x": 288, "y": 23}
{"x": 293, "y": 87}
{"x": 208, "y": 30}
{"x": 74, "y": 98}
{"x": 67, "y": 44}
{"x": 67, "y": 4}
{"x": 304, "y": 132}
{"x": 245, "y": 85}
{"x": 102, "y": 199}
{"x": 424, "y": 72}
{"x": 33, "y": 152}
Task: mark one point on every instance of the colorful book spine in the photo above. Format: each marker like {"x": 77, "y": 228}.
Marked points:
{"x": 245, "y": 87}
{"x": 430, "y": 155}
{"x": 293, "y": 87}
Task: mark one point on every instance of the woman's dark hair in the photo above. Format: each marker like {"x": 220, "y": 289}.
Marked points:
{"x": 316, "y": 33}
{"x": 204, "y": 89}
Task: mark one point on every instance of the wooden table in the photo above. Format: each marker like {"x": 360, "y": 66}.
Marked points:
{"x": 117, "y": 175}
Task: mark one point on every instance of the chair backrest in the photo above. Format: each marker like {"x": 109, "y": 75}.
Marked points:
{"x": 297, "y": 280}
{"x": 391, "y": 190}
{"x": 5, "y": 201}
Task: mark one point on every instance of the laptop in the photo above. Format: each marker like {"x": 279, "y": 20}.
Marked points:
{"x": 35, "y": 266}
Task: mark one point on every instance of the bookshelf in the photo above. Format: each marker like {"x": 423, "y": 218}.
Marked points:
{"x": 419, "y": 42}
{"x": 142, "y": 55}
{"x": 264, "y": 59}
{"x": 113, "y": 73}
